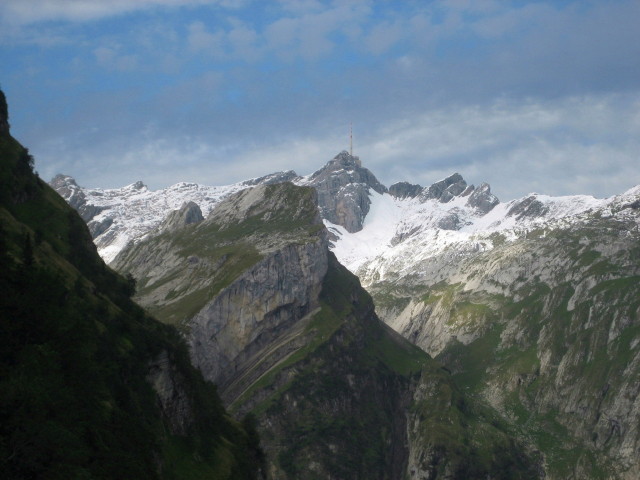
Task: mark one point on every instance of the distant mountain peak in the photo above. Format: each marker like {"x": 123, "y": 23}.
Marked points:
{"x": 403, "y": 190}
{"x": 446, "y": 189}
{"x": 343, "y": 186}
{"x": 346, "y": 159}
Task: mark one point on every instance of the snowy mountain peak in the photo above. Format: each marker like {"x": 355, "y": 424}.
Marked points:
{"x": 344, "y": 187}
{"x": 345, "y": 159}
{"x": 446, "y": 189}
{"x": 278, "y": 177}
{"x": 371, "y": 225}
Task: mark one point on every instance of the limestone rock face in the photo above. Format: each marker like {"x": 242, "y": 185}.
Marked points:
{"x": 188, "y": 214}
{"x": 225, "y": 281}
{"x": 271, "y": 296}
{"x": 545, "y": 327}
{"x": 68, "y": 189}
{"x": 343, "y": 187}
{"x": 277, "y": 177}
{"x": 171, "y": 388}
{"x": 445, "y": 190}
{"x": 527, "y": 207}
{"x": 482, "y": 199}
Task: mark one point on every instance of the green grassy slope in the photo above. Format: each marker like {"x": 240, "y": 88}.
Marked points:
{"x": 558, "y": 356}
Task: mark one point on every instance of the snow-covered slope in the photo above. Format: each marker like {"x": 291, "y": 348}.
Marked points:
{"x": 400, "y": 233}
{"x": 118, "y": 216}
{"x": 377, "y": 231}
{"x": 121, "y": 215}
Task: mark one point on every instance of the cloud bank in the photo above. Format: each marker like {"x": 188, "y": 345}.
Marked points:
{"x": 530, "y": 96}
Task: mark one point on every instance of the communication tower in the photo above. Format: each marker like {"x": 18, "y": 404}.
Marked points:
{"x": 351, "y": 139}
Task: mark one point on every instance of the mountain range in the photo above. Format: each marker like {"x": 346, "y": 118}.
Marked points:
{"x": 513, "y": 352}
{"x": 532, "y": 306}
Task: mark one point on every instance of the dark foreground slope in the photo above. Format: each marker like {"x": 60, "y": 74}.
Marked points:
{"x": 90, "y": 386}
{"x": 291, "y": 337}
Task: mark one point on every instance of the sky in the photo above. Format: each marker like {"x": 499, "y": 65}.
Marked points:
{"x": 529, "y": 96}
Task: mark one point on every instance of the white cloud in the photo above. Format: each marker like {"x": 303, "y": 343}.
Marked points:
{"x": 308, "y": 35}
{"x": 578, "y": 145}
{"x": 109, "y": 58}
{"x": 33, "y": 11}
{"x": 383, "y": 36}
{"x": 199, "y": 39}
{"x": 585, "y": 144}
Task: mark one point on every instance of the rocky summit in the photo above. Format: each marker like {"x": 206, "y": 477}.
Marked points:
{"x": 530, "y": 307}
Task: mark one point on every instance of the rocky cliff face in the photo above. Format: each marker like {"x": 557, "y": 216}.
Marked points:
{"x": 74, "y": 195}
{"x": 230, "y": 285}
{"x": 403, "y": 190}
{"x": 290, "y": 336}
{"x": 188, "y": 214}
{"x": 546, "y": 329}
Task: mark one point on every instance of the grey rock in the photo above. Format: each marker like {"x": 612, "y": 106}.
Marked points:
{"x": 188, "y": 214}
{"x": 278, "y": 177}
{"x": 343, "y": 187}
{"x": 172, "y": 393}
{"x": 528, "y": 207}
{"x": 450, "y": 222}
{"x": 405, "y": 190}
{"x": 97, "y": 228}
{"x": 68, "y": 189}
{"x": 445, "y": 190}
{"x": 482, "y": 199}
{"x": 568, "y": 351}
{"x": 277, "y": 290}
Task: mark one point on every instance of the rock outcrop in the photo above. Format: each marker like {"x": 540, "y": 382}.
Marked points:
{"x": 482, "y": 199}
{"x": 249, "y": 284}
{"x": 343, "y": 187}
{"x": 404, "y": 190}
{"x": 68, "y": 189}
{"x": 188, "y": 214}
{"x": 445, "y": 190}
{"x": 529, "y": 207}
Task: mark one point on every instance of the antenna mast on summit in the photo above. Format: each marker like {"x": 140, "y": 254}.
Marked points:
{"x": 351, "y": 139}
